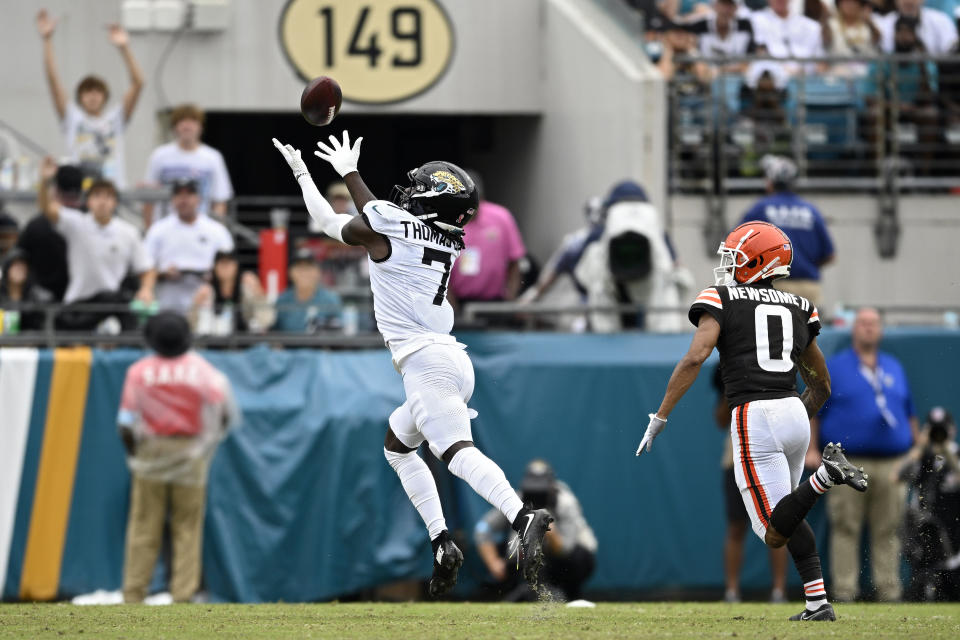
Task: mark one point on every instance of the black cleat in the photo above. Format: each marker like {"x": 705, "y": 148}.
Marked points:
{"x": 532, "y": 526}
{"x": 841, "y": 471}
{"x": 823, "y": 613}
{"x": 447, "y": 559}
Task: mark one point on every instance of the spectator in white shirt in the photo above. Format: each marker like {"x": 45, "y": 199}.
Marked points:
{"x": 781, "y": 33}
{"x": 93, "y": 132}
{"x": 937, "y": 31}
{"x": 102, "y": 250}
{"x": 187, "y": 158}
{"x": 724, "y": 34}
{"x": 183, "y": 247}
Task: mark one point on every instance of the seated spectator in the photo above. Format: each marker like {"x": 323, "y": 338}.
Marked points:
{"x": 851, "y": 33}
{"x": 306, "y": 306}
{"x": 234, "y": 301}
{"x": 783, "y": 33}
{"x": 182, "y": 248}
{"x": 9, "y": 233}
{"x": 935, "y": 29}
{"x": 17, "y": 288}
{"x": 569, "y": 548}
{"x": 93, "y": 131}
{"x": 46, "y": 248}
{"x": 489, "y": 267}
{"x": 688, "y": 73}
{"x": 102, "y": 250}
{"x": 724, "y": 34}
{"x": 187, "y": 158}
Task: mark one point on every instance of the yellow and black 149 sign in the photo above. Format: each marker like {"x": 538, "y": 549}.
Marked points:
{"x": 378, "y": 50}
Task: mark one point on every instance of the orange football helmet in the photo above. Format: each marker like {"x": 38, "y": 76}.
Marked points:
{"x": 753, "y": 251}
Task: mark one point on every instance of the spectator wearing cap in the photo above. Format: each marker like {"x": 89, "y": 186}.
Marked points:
{"x": 187, "y": 158}
{"x": 233, "y": 302}
{"x": 306, "y": 305}
{"x": 92, "y": 129}
{"x": 935, "y": 29}
{"x": 801, "y": 221}
{"x": 18, "y": 289}
{"x": 183, "y": 246}
{"x": 488, "y": 269}
{"x": 46, "y": 248}
{"x": 570, "y": 547}
{"x": 871, "y": 414}
{"x": 102, "y": 250}
{"x": 175, "y": 409}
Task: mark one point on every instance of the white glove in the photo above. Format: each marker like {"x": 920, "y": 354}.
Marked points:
{"x": 292, "y": 156}
{"x": 653, "y": 429}
{"x": 341, "y": 156}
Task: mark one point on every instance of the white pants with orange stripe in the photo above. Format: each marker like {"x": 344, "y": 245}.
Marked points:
{"x": 770, "y": 439}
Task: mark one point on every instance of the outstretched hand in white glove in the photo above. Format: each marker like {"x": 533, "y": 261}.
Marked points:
{"x": 292, "y": 156}
{"x": 341, "y": 155}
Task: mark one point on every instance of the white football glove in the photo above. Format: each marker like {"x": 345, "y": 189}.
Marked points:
{"x": 653, "y": 429}
{"x": 292, "y": 156}
{"x": 341, "y": 155}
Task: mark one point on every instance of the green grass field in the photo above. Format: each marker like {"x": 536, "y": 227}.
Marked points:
{"x": 465, "y": 620}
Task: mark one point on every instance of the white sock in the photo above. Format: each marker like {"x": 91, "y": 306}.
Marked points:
{"x": 487, "y": 479}
{"x": 815, "y": 594}
{"x": 820, "y": 480}
{"x": 418, "y": 482}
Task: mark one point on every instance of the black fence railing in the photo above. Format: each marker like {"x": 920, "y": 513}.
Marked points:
{"x": 360, "y": 333}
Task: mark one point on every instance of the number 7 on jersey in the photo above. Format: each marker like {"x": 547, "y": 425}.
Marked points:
{"x": 434, "y": 255}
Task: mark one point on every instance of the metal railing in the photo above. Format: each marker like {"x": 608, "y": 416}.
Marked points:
{"x": 884, "y": 124}
{"x": 363, "y": 335}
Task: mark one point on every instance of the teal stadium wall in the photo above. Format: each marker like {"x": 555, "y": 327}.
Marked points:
{"x": 303, "y": 507}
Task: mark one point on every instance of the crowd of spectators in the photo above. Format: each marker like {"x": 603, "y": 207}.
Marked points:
{"x": 89, "y": 269}
{"x": 851, "y": 108}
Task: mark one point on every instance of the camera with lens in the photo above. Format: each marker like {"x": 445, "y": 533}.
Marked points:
{"x": 939, "y": 425}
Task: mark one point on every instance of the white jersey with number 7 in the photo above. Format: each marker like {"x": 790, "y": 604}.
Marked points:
{"x": 410, "y": 284}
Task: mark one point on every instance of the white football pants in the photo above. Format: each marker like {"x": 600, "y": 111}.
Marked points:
{"x": 770, "y": 439}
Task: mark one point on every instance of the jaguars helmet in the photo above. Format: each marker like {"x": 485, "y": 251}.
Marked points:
{"x": 442, "y": 195}
{"x": 753, "y": 251}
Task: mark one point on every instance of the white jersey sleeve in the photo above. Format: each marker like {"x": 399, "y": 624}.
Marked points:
{"x": 410, "y": 284}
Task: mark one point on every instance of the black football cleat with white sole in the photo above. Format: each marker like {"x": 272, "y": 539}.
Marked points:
{"x": 823, "y": 613}
{"x": 447, "y": 559}
{"x": 532, "y": 527}
{"x": 841, "y": 471}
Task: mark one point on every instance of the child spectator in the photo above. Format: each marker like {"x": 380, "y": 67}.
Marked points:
{"x": 93, "y": 132}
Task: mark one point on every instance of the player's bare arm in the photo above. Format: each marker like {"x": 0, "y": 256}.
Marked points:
{"x": 343, "y": 157}
{"x": 683, "y": 376}
{"x": 813, "y": 371}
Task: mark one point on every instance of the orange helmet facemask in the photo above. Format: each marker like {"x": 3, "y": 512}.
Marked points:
{"x": 753, "y": 251}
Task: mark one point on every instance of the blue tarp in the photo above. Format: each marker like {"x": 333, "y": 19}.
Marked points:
{"x": 302, "y": 505}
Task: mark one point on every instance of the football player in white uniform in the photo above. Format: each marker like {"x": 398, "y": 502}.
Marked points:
{"x": 412, "y": 244}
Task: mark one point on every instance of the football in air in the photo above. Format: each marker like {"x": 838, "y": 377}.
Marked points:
{"x": 320, "y": 101}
